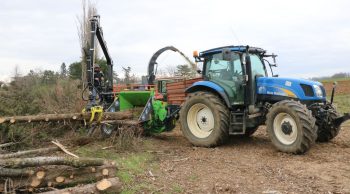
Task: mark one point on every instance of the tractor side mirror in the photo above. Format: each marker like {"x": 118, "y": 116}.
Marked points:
{"x": 226, "y": 54}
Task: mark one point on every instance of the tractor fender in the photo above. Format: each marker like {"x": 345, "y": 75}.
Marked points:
{"x": 211, "y": 87}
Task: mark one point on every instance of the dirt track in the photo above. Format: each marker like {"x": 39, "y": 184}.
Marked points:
{"x": 250, "y": 165}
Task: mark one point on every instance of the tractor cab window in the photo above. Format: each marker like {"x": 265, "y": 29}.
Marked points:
{"x": 258, "y": 67}
{"x": 218, "y": 68}
{"x": 162, "y": 86}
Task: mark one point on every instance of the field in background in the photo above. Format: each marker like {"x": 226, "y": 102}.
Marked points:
{"x": 342, "y": 94}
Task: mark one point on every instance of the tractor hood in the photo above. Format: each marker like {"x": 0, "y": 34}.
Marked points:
{"x": 301, "y": 89}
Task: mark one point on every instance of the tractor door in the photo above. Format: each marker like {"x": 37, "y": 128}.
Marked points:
{"x": 228, "y": 74}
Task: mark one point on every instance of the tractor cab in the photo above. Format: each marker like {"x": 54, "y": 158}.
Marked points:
{"x": 234, "y": 69}
{"x": 240, "y": 75}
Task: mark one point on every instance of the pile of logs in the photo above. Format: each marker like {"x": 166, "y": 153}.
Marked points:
{"x": 56, "y": 174}
{"x": 117, "y": 117}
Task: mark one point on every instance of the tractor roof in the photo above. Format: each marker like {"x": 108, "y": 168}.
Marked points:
{"x": 232, "y": 48}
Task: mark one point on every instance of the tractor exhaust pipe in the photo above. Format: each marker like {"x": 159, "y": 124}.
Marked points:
{"x": 333, "y": 91}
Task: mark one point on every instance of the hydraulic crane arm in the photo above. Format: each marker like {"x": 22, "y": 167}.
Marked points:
{"x": 153, "y": 62}
{"x": 96, "y": 31}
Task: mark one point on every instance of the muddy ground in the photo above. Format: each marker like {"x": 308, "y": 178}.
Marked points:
{"x": 250, "y": 165}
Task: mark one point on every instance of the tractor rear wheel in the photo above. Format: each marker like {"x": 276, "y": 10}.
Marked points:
{"x": 204, "y": 119}
{"x": 291, "y": 127}
{"x": 326, "y": 129}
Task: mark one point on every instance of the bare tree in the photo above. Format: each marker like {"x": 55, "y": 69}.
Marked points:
{"x": 127, "y": 77}
{"x": 171, "y": 70}
{"x": 16, "y": 72}
{"x": 89, "y": 9}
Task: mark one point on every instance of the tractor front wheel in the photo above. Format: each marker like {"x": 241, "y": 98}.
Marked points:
{"x": 291, "y": 127}
{"x": 204, "y": 119}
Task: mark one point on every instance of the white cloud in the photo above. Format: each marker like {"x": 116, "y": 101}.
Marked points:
{"x": 311, "y": 37}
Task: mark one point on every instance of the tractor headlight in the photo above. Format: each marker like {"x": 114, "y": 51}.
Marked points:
{"x": 318, "y": 91}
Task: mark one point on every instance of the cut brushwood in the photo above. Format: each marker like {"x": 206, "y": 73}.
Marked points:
{"x": 70, "y": 116}
{"x": 59, "y": 145}
{"x": 111, "y": 185}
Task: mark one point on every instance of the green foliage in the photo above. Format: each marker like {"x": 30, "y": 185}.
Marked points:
{"x": 177, "y": 189}
{"x": 130, "y": 165}
{"x": 40, "y": 92}
{"x": 103, "y": 64}
{"x": 63, "y": 72}
{"x": 184, "y": 71}
{"x": 335, "y": 77}
{"x": 49, "y": 77}
{"x": 76, "y": 68}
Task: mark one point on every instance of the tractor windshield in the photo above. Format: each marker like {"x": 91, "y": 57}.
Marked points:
{"x": 218, "y": 68}
{"x": 258, "y": 68}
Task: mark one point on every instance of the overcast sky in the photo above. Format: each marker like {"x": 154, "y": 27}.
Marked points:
{"x": 312, "y": 38}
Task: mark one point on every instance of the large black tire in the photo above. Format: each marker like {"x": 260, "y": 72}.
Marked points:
{"x": 204, "y": 119}
{"x": 291, "y": 127}
{"x": 326, "y": 129}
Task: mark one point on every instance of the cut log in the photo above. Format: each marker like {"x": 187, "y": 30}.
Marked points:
{"x": 35, "y": 182}
{"x": 69, "y": 116}
{"x": 29, "y": 152}
{"x": 60, "y": 177}
{"x": 105, "y": 172}
{"x": 9, "y": 143}
{"x": 8, "y": 172}
{"x": 40, "y": 161}
{"x": 40, "y": 174}
{"x": 111, "y": 185}
{"x": 103, "y": 185}
{"x": 75, "y": 176}
{"x": 122, "y": 122}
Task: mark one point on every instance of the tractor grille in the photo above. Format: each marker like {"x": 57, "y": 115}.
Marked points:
{"x": 307, "y": 90}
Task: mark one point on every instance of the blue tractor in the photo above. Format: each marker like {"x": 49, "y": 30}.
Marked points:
{"x": 236, "y": 96}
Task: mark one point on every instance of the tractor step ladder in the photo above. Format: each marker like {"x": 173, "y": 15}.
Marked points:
{"x": 237, "y": 123}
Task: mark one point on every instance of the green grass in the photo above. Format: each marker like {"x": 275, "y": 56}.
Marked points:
{"x": 177, "y": 189}
{"x": 342, "y": 102}
{"x": 130, "y": 166}
{"x": 334, "y": 79}
{"x": 193, "y": 177}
